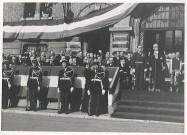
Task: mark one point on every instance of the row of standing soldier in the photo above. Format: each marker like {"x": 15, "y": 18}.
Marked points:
{"x": 96, "y": 85}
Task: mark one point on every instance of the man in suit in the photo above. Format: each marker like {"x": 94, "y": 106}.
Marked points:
{"x": 139, "y": 63}
{"x": 124, "y": 74}
{"x": 176, "y": 62}
{"x": 116, "y": 60}
{"x": 59, "y": 58}
{"x": 157, "y": 62}
{"x": 66, "y": 83}
{"x": 34, "y": 84}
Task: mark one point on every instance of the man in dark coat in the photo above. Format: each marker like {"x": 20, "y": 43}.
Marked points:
{"x": 59, "y": 58}
{"x": 139, "y": 65}
{"x": 34, "y": 84}
{"x": 87, "y": 86}
{"x": 66, "y": 82}
{"x": 124, "y": 74}
{"x": 110, "y": 62}
{"x": 98, "y": 87}
{"x": 157, "y": 62}
{"x": 7, "y": 81}
{"x": 116, "y": 60}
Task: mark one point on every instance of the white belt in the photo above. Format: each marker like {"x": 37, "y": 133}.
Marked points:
{"x": 33, "y": 77}
{"x": 65, "y": 79}
{"x": 138, "y": 62}
{"x": 96, "y": 80}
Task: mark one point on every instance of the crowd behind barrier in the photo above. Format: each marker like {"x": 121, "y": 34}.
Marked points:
{"x": 126, "y": 71}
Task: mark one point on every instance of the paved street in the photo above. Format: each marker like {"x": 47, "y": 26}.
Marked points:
{"x": 19, "y": 120}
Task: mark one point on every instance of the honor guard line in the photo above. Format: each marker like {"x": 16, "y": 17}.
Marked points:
{"x": 50, "y": 81}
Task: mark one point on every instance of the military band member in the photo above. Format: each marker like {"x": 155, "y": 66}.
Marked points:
{"x": 139, "y": 67}
{"x": 34, "y": 84}
{"x": 98, "y": 87}
{"x": 7, "y": 80}
{"x": 66, "y": 83}
{"x": 157, "y": 62}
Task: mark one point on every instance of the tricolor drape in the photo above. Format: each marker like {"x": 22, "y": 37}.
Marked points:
{"x": 57, "y": 29}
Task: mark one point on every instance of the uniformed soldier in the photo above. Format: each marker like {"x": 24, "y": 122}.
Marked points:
{"x": 7, "y": 80}
{"x": 34, "y": 84}
{"x": 66, "y": 83}
{"x": 139, "y": 65}
{"x": 98, "y": 87}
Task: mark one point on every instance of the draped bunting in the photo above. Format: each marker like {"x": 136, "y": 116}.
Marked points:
{"x": 57, "y": 29}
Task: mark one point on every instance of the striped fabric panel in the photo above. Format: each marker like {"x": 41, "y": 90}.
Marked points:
{"x": 31, "y": 30}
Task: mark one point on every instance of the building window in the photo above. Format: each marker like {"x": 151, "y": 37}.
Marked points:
{"x": 29, "y": 10}
{"x": 167, "y": 15}
{"x": 38, "y": 10}
{"x": 46, "y": 9}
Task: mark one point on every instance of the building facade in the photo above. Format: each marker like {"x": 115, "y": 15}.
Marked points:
{"x": 147, "y": 24}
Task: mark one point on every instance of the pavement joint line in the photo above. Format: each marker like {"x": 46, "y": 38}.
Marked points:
{"x": 89, "y": 117}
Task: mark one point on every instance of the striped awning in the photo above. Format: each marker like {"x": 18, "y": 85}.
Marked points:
{"x": 57, "y": 29}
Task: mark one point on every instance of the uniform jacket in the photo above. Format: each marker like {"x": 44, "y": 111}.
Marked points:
{"x": 37, "y": 80}
{"x": 139, "y": 58}
{"x": 96, "y": 87}
{"x": 68, "y": 74}
{"x": 8, "y": 74}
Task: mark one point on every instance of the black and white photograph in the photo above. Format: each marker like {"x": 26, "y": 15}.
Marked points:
{"x": 114, "y": 67}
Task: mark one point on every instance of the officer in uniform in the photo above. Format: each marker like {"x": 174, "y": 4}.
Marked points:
{"x": 7, "y": 80}
{"x": 98, "y": 87}
{"x": 66, "y": 83}
{"x": 34, "y": 84}
{"x": 139, "y": 65}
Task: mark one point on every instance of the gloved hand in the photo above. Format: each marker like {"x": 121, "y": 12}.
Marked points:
{"x": 88, "y": 92}
{"x": 58, "y": 90}
{"x": 71, "y": 90}
{"x": 103, "y": 92}
{"x": 38, "y": 88}
{"x": 133, "y": 70}
{"x": 145, "y": 70}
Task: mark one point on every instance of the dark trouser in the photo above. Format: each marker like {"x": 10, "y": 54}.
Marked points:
{"x": 42, "y": 96}
{"x": 65, "y": 100}
{"x": 94, "y": 104}
{"x": 33, "y": 98}
{"x": 13, "y": 96}
{"x": 126, "y": 81}
{"x": 139, "y": 75}
{"x": 5, "y": 94}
